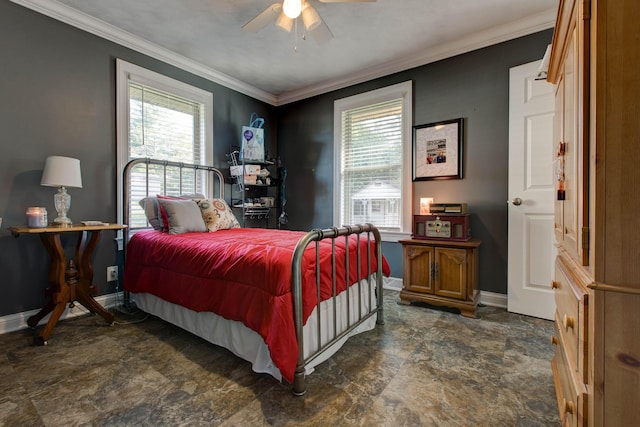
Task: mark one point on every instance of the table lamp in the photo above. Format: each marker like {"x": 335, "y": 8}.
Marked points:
{"x": 62, "y": 172}
{"x": 425, "y": 205}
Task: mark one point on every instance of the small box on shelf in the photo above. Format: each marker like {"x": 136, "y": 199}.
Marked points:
{"x": 267, "y": 201}
{"x": 251, "y": 169}
{"x": 250, "y": 179}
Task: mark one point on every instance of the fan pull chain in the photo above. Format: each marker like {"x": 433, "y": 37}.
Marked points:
{"x": 304, "y": 33}
{"x": 295, "y": 36}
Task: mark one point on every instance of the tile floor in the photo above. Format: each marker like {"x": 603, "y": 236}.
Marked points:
{"x": 424, "y": 367}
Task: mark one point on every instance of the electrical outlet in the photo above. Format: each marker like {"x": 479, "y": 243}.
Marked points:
{"x": 112, "y": 273}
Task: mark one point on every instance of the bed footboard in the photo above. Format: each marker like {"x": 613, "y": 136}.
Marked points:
{"x": 373, "y": 307}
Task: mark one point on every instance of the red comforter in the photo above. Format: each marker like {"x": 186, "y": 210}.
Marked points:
{"x": 240, "y": 274}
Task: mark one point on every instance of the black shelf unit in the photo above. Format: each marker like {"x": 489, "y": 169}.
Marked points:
{"x": 254, "y": 196}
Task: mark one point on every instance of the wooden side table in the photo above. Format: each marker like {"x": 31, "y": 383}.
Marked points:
{"x": 69, "y": 282}
{"x": 441, "y": 272}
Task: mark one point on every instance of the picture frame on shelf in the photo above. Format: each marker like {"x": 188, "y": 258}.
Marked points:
{"x": 252, "y": 147}
{"x": 437, "y": 150}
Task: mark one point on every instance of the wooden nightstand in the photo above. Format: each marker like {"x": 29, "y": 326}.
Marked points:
{"x": 69, "y": 282}
{"x": 440, "y": 272}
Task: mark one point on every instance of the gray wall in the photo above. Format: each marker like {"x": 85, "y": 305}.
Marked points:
{"x": 474, "y": 86}
{"x": 57, "y": 97}
{"x": 57, "y": 86}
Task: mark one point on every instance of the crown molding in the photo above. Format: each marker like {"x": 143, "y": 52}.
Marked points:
{"x": 522, "y": 27}
{"x": 512, "y": 30}
{"x": 73, "y": 17}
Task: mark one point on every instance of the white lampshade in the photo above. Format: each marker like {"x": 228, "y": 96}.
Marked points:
{"x": 61, "y": 172}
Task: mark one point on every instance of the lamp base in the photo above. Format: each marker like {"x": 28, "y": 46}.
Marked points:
{"x": 62, "y": 202}
{"x": 62, "y": 222}
{"x": 60, "y": 225}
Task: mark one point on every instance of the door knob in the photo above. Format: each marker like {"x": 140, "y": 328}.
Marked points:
{"x": 517, "y": 201}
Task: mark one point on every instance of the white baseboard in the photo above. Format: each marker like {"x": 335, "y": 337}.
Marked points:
{"x": 392, "y": 283}
{"x": 17, "y": 321}
{"x": 492, "y": 299}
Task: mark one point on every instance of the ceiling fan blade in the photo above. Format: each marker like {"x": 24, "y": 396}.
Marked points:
{"x": 321, "y": 33}
{"x": 263, "y": 19}
{"x": 347, "y": 1}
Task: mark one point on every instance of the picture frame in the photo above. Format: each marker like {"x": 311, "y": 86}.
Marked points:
{"x": 437, "y": 150}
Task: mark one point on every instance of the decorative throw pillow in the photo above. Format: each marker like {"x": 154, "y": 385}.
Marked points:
{"x": 156, "y": 216}
{"x": 186, "y": 196}
{"x": 217, "y": 214}
{"x": 152, "y": 212}
{"x": 183, "y": 216}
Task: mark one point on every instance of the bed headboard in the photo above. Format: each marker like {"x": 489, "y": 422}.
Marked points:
{"x": 170, "y": 178}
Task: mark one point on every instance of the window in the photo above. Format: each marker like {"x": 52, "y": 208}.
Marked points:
{"x": 372, "y": 160}
{"x": 160, "y": 118}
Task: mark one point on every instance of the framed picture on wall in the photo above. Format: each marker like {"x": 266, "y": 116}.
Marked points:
{"x": 437, "y": 150}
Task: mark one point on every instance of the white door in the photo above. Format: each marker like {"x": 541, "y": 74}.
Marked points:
{"x": 531, "y": 193}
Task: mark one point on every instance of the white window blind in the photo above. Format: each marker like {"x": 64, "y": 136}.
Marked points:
{"x": 160, "y": 118}
{"x": 371, "y": 162}
{"x": 166, "y": 127}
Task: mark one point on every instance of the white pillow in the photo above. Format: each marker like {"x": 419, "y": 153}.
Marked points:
{"x": 183, "y": 215}
{"x": 152, "y": 208}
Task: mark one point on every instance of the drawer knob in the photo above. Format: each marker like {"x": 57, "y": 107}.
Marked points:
{"x": 568, "y": 406}
{"x": 554, "y": 340}
{"x": 555, "y": 284}
{"x": 568, "y": 322}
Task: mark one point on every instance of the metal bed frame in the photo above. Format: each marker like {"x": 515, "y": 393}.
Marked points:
{"x": 365, "y": 231}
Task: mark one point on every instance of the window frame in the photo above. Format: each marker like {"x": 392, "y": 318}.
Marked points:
{"x": 125, "y": 72}
{"x": 401, "y": 90}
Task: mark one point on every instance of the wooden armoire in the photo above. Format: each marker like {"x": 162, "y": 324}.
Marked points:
{"x": 595, "y": 67}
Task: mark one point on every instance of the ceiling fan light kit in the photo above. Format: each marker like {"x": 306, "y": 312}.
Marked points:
{"x": 284, "y": 22}
{"x": 310, "y": 17}
{"x": 292, "y": 8}
{"x": 287, "y": 12}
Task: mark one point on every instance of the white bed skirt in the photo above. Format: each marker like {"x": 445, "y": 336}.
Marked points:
{"x": 250, "y": 346}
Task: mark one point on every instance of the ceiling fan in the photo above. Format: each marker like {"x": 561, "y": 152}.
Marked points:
{"x": 287, "y": 12}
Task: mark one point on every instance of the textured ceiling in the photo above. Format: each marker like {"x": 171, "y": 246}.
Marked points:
{"x": 370, "y": 39}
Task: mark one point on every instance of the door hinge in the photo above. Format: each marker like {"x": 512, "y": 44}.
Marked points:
{"x": 585, "y": 238}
